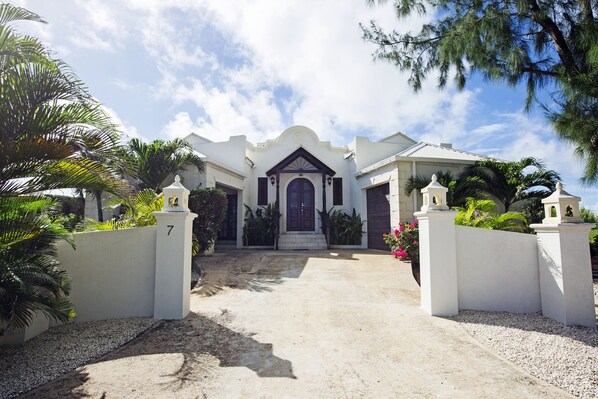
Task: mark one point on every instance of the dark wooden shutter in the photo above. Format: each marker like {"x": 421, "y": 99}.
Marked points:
{"x": 262, "y": 191}
{"x": 337, "y": 191}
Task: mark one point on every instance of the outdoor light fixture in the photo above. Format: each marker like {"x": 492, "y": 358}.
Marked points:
{"x": 272, "y": 179}
{"x": 329, "y": 180}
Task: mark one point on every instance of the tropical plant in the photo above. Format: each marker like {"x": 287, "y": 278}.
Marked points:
{"x": 154, "y": 162}
{"x": 590, "y": 217}
{"x": 542, "y": 44}
{"x": 404, "y": 241}
{"x": 459, "y": 189}
{"x": 30, "y": 280}
{"x": 53, "y": 134}
{"x": 260, "y": 227}
{"x": 345, "y": 229}
{"x": 210, "y": 205}
{"x": 510, "y": 182}
{"x": 483, "y": 214}
{"x": 138, "y": 212}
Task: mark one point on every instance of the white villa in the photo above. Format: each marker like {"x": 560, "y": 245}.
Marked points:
{"x": 304, "y": 174}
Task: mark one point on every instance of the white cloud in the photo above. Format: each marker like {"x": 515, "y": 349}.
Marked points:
{"x": 129, "y": 131}
{"x": 87, "y": 39}
{"x": 315, "y": 51}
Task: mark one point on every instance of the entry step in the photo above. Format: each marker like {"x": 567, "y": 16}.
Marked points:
{"x": 301, "y": 241}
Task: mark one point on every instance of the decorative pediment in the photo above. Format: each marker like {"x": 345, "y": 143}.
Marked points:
{"x": 300, "y": 164}
{"x": 300, "y": 161}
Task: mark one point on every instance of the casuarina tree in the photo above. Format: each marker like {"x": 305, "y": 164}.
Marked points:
{"x": 547, "y": 45}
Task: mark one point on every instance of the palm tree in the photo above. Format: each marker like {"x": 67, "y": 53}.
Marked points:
{"x": 459, "y": 189}
{"x": 50, "y": 126}
{"x": 154, "y": 162}
{"x": 510, "y": 182}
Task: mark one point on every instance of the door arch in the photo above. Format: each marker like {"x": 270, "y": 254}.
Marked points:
{"x": 301, "y": 205}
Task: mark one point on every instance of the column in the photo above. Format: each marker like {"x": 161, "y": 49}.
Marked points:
{"x": 565, "y": 268}
{"x": 173, "y": 254}
{"x": 437, "y": 253}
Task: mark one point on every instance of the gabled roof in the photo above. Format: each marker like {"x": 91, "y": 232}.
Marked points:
{"x": 306, "y": 162}
{"x": 426, "y": 151}
{"x": 397, "y": 137}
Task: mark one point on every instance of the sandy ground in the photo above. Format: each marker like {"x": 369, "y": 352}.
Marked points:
{"x": 302, "y": 325}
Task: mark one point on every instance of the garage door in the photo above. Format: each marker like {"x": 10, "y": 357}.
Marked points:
{"x": 378, "y": 216}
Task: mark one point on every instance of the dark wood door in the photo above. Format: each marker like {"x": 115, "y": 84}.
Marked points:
{"x": 300, "y": 206}
{"x": 228, "y": 229}
{"x": 378, "y": 216}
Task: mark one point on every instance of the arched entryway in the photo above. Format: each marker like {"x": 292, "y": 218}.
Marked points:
{"x": 300, "y": 205}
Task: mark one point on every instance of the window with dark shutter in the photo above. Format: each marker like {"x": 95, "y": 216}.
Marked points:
{"x": 337, "y": 191}
{"x": 262, "y": 191}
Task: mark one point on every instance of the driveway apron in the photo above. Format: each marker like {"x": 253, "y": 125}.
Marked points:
{"x": 274, "y": 324}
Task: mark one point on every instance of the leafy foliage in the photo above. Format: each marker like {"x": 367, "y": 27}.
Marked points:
{"x": 154, "y": 162}
{"x": 210, "y": 204}
{"x": 30, "y": 280}
{"x": 533, "y": 210}
{"x": 404, "y": 241}
{"x": 459, "y": 188}
{"x": 345, "y": 229}
{"x": 510, "y": 182}
{"x": 260, "y": 227}
{"x": 53, "y": 134}
{"x": 590, "y": 217}
{"x": 483, "y": 214}
{"x": 543, "y": 44}
{"x": 138, "y": 212}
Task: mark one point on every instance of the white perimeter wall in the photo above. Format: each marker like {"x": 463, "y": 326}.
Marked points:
{"x": 497, "y": 270}
{"x": 112, "y": 273}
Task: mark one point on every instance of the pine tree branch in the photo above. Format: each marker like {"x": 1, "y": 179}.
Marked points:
{"x": 560, "y": 43}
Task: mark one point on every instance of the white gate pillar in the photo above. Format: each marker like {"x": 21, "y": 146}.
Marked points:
{"x": 566, "y": 288}
{"x": 172, "y": 293}
{"x": 437, "y": 253}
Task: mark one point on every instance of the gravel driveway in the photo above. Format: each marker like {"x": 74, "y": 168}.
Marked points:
{"x": 302, "y": 325}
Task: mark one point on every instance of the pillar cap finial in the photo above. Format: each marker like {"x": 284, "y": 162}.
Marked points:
{"x": 434, "y": 196}
{"x": 561, "y": 207}
{"x": 176, "y": 197}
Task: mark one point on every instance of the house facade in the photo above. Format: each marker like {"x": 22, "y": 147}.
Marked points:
{"x": 303, "y": 174}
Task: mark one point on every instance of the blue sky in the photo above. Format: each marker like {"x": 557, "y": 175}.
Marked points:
{"x": 164, "y": 69}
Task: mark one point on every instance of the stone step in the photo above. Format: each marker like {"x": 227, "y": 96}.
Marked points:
{"x": 301, "y": 241}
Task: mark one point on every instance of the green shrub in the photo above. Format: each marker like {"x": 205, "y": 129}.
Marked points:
{"x": 210, "y": 204}
{"x": 260, "y": 227}
{"x": 344, "y": 229}
{"x": 483, "y": 214}
{"x": 590, "y": 217}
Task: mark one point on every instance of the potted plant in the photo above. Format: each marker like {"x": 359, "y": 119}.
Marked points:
{"x": 404, "y": 245}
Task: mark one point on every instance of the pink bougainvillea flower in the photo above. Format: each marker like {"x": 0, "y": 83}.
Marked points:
{"x": 401, "y": 228}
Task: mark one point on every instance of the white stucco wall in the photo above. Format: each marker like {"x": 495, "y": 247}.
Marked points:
{"x": 112, "y": 273}
{"x": 369, "y": 152}
{"x": 268, "y": 154}
{"x": 497, "y": 270}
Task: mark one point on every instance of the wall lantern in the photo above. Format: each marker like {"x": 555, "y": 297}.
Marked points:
{"x": 329, "y": 180}
{"x": 272, "y": 180}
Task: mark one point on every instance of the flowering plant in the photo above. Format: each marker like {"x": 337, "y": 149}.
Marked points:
{"x": 404, "y": 241}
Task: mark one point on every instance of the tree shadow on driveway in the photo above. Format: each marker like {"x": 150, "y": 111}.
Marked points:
{"x": 253, "y": 271}
{"x": 257, "y": 270}
{"x": 203, "y": 344}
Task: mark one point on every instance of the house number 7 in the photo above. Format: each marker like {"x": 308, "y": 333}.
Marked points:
{"x": 170, "y": 227}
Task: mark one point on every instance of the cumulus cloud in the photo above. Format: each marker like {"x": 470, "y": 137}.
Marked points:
{"x": 128, "y": 131}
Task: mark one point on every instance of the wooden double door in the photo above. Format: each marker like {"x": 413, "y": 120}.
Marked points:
{"x": 301, "y": 206}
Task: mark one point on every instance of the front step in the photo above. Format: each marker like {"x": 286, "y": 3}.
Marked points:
{"x": 291, "y": 241}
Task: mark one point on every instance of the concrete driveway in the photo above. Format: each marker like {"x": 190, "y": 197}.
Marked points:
{"x": 303, "y": 325}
